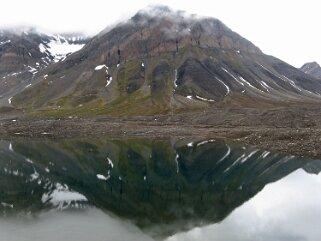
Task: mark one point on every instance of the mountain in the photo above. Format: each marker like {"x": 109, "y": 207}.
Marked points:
{"x": 161, "y": 61}
{"x": 25, "y": 52}
{"x": 312, "y": 68}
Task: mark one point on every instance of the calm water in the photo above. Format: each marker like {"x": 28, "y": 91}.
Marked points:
{"x": 144, "y": 189}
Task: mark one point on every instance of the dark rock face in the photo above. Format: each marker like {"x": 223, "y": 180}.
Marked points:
{"x": 207, "y": 83}
{"x": 312, "y": 68}
{"x": 25, "y": 54}
{"x": 131, "y": 78}
{"x": 147, "y": 35}
{"x": 18, "y": 57}
{"x": 161, "y": 73}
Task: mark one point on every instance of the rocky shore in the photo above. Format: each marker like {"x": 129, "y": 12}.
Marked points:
{"x": 295, "y": 130}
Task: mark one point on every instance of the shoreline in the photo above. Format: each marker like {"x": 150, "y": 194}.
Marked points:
{"x": 300, "y": 141}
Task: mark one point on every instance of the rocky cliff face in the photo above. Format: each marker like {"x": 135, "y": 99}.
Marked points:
{"x": 161, "y": 61}
{"x": 312, "y": 68}
{"x": 25, "y": 53}
{"x": 157, "y": 30}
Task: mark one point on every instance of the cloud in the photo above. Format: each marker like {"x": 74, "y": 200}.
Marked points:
{"x": 287, "y": 33}
{"x": 91, "y": 224}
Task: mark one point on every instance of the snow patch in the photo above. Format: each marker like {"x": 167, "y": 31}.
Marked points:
{"x": 28, "y": 86}
{"x": 247, "y": 83}
{"x": 59, "y": 47}
{"x": 15, "y": 74}
{"x": 237, "y": 80}
{"x": 248, "y": 156}
{"x": 62, "y": 195}
{"x": 265, "y": 86}
{"x": 266, "y": 69}
{"x": 10, "y": 147}
{"x": 110, "y": 166}
{"x": 99, "y": 67}
{"x": 204, "y": 99}
{"x": 102, "y": 177}
{"x": 286, "y": 79}
{"x": 42, "y": 48}
{"x": 176, "y": 161}
{"x": 190, "y": 144}
{"x": 15, "y": 173}
{"x": 233, "y": 164}
{"x": 227, "y": 88}
{"x": 32, "y": 70}
{"x": 175, "y": 79}
{"x": 34, "y": 175}
{"x": 226, "y": 154}
{"x": 265, "y": 154}
{"x": 189, "y": 97}
{"x": 110, "y": 162}
{"x": 109, "y": 80}
{"x": 204, "y": 142}
{"x": 271, "y": 72}
{"x": 6, "y": 205}
{"x": 5, "y": 42}
{"x": 28, "y": 160}
{"x": 291, "y": 83}
{"x": 9, "y": 100}
{"x": 244, "y": 81}
{"x": 283, "y": 160}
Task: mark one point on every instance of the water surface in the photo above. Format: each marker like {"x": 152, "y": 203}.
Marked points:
{"x": 152, "y": 189}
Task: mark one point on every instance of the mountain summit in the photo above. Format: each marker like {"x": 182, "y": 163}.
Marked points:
{"x": 161, "y": 61}
{"x": 312, "y": 68}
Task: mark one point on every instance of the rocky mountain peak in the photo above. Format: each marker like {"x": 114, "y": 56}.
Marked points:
{"x": 154, "y": 11}
{"x": 312, "y": 68}
{"x": 175, "y": 24}
{"x": 158, "y": 29}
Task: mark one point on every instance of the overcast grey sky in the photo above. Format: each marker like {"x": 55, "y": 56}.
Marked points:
{"x": 283, "y": 28}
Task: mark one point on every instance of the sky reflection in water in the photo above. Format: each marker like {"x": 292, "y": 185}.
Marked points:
{"x": 289, "y": 209}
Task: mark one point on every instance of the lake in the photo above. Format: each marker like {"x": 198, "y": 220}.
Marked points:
{"x": 155, "y": 189}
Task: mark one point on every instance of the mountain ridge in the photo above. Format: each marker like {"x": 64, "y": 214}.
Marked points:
{"x": 170, "y": 62}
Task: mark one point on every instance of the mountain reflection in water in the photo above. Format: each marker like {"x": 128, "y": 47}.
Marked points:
{"x": 152, "y": 188}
